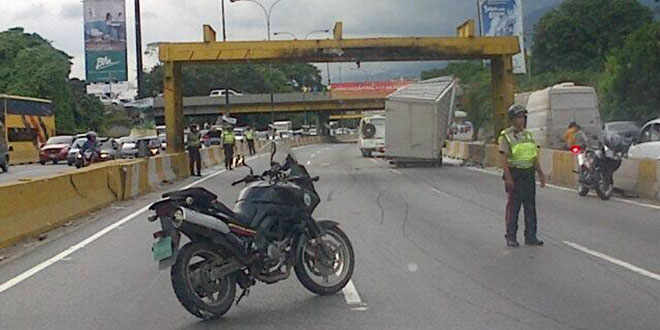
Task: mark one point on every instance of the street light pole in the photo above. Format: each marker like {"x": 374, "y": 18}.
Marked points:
{"x": 138, "y": 49}
{"x": 267, "y": 13}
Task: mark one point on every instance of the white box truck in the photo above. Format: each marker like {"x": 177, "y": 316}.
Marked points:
{"x": 553, "y": 108}
{"x": 417, "y": 121}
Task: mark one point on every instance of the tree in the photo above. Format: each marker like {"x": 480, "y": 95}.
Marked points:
{"x": 30, "y": 66}
{"x": 476, "y": 82}
{"x": 200, "y": 79}
{"x": 630, "y": 86}
{"x": 87, "y": 109}
{"x": 580, "y": 34}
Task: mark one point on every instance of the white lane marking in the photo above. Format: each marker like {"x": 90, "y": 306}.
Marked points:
{"x": 615, "y": 261}
{"x": 395, "y": 171}
{"x": 34, "y": 270}
{"x": 351, "y": 295}
{"x": 29, "y": 273}
{"x": 622, "y": 200}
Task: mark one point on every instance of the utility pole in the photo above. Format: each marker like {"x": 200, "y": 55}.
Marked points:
{"x": 138, "y": 49}
{"x": 224, "y": 38}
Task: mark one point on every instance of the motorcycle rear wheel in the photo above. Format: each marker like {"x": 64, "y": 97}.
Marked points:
{"x": 582, "y": 190}
{"x": 201, "y": 295}
{"x": 314, "y": 269}
{"x": 604, "y": 191}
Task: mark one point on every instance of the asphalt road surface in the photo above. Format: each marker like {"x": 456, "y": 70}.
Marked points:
{"x": 430, "y": 254}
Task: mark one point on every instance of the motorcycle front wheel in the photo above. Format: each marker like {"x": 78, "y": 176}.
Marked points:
{"x": 199, "y": 293}
{"x": 325, "y": 265}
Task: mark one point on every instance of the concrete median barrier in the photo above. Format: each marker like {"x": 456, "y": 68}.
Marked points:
{"x": 32, "y": 207}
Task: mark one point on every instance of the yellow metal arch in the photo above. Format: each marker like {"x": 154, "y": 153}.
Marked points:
{"x": 498, "y": 49}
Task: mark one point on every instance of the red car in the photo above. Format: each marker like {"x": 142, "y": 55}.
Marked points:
{"x": 55, "y": 149}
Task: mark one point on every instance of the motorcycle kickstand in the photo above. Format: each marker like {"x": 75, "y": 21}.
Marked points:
{"x": 245, "y": 293}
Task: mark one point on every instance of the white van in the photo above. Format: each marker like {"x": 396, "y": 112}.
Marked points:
{"x": 372, "y": 135}
{"x": 553, "y": 108}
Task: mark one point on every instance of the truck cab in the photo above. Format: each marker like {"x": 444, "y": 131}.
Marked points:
{"x": 372, "y": 135}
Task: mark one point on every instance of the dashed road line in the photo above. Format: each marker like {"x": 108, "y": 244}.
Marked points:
{"x": 631, "y": 267}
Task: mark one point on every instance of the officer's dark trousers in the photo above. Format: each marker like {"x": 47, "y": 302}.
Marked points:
{"x": 195, "y": 160}
{"x": 251, "y": 147}
{"x": 229, "y": 154}
{"x": 523, "y": 194}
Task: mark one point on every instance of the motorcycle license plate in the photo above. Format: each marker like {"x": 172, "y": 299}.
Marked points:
{"x": 162, "y": 248}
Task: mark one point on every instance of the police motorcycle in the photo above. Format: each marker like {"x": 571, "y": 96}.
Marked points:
{"x": 597, "y": 164}
{"x": 269, "y": 232}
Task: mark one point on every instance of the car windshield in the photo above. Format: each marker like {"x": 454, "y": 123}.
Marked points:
{"x": 622, "y": 127}
{"x": 59, "y": 140}
{"x": 79, "y": 142}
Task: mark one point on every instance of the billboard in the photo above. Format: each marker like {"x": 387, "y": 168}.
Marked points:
{"x": 105, "y": 40}
{"x": 504, "y": 18}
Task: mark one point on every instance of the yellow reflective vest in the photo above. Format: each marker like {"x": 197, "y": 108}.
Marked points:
{"x": 523, "y": 151}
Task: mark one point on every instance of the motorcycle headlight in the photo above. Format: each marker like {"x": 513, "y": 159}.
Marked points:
{"x": 178, "y": 217}
{"x": 104, "y": 155}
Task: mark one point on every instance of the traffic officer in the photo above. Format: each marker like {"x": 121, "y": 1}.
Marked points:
{"x": 520, "y": 160}
{"x": 228, "y": 142}
{"x": 249, "y": 136}
{"x": 194, "y": 144}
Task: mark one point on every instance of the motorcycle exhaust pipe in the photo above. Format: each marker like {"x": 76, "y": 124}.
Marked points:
{"x": 226, "y": 239}
{"x": 206, "y": 221}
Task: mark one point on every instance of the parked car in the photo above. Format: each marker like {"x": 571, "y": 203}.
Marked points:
{"x": 628, "y": 130}
{"x": 131, "y": 149}
{"x": 648, "y": 145}
{"x": 223, "y": 92}
{"x": 211, "y": 137}
{"x": 73, "y": 150}
{"x": 55, "y": 149}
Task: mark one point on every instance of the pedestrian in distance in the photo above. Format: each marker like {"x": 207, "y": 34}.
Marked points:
{"x": 249, "y": 137}
{"x": 194, "y": 144}
{"x": 519, "y": 154}
{"x": 228, "y": 143}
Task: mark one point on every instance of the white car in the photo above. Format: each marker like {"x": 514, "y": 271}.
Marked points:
{"x": 223, "y": 92}
{"x": 649, "y": 142}
{"x": 372, "y": 135}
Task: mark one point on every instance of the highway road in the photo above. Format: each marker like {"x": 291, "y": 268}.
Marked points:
{"x": 430, "y": 254}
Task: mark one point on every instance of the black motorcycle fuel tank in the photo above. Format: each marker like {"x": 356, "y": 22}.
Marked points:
{"x": 284, "y": 199}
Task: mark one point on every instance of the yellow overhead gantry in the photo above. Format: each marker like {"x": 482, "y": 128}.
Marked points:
{"x": 467, "y": 46}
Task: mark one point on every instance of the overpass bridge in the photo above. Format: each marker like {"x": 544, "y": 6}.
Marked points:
{"x": 333, "y": 103}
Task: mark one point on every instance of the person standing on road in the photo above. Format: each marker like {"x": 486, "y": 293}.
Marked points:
{"x": 520, "y": 162}
{"x": 228, "y": 142}
{"x": 249, "y": 136}
{"x": 194, "y": 144}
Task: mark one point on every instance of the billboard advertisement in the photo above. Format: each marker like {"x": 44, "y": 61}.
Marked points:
{"x": 504, "y": 18}
{"x": 105, "y": 40}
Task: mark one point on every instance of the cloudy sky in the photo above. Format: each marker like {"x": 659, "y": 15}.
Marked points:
{"x": 61, "y": 21}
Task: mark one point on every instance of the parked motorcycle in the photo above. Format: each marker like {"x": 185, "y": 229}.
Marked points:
{"x": 596, "y": 167}
{"x": 269, "y": 232}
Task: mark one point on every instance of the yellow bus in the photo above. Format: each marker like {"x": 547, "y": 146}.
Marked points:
{"x": 27, "y": 124}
